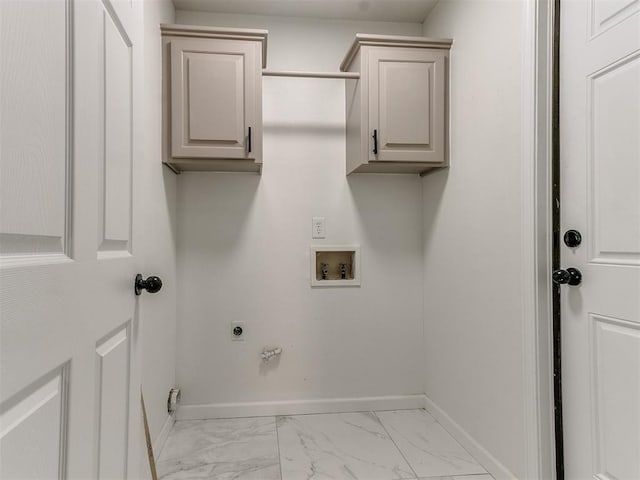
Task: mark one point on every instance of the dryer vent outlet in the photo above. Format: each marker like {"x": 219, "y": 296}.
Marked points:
{"x": 238, "y": 331}
{"x": 172, "y": 401}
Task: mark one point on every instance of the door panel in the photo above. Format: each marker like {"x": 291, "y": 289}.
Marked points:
{"x": 125, "y": 12}
{"x": 600, "y": 184}
{"x": 615, "y": 346}
{"x": 613, "y": 152}
{"x": 35, "y": 136}
{"x": 608, "y": 13}
{"x": 118, "y": 149}
{"x": 37, "y": 413}
{"x": 112, "y": 378}
{"x": 216, "y": 98}
{"x": 405, "y": 104}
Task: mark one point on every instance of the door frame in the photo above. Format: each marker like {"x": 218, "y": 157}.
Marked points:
{"x": 539, "y": 237}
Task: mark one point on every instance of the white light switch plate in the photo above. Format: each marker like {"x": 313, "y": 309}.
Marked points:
{"x": 318, "y": 228}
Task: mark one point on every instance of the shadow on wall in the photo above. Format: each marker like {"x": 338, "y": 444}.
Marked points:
{"x": 219, "y": 207}
{"x": 434, "y": 184}
{"x": 378, "y": 201}
{"x": 271, "y": 366}
{"x": 169, "y": 183}
{"x": 298, "y": 128}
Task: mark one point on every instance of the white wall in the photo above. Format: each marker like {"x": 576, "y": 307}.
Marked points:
{"x": 243, "y": 246}
{"x": 157, "y": 197}
{"x": 472, "y": 253}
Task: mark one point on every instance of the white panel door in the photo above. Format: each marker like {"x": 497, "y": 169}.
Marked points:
{"x": 600, "y": 183}
{"x": 407, "y": 105}
{"x": 69, "y": 124}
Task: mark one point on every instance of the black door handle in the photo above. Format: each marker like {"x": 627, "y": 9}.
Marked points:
{"x": 249, "y": 140}
{"x": 571, "y": 276}
{"x": 375, "y": 141}
{"x": 151, "y": 284}
{"x": 572, "y": 238}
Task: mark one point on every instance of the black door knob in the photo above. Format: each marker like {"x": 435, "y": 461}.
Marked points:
{"x": 571, "y": 276}
{"x": 572, "y": 238}
{"x": 151, "y": 284}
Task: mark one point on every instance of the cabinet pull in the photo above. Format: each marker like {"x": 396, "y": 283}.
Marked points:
{"x": 249, "y": 140}
{"x": 375, "y": 141}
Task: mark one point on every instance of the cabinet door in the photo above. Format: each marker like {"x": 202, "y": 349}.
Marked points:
{"x": 407, "y": 105}
{"x": 215, "y": 87}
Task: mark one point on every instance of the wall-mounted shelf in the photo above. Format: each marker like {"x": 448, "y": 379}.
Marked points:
{"x": 302, "y": 74}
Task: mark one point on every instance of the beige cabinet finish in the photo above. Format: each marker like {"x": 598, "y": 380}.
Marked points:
{"x": 213, "y": 98}
{"x": 397, "y": 110}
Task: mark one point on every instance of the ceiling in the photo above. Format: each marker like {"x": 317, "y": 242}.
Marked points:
{"x": 414, "y": 11}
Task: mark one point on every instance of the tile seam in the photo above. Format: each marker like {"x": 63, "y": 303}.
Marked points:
{"x": 395, "y": 444}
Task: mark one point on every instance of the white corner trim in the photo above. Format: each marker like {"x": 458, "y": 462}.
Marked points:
{"x": 299, "y": 407}
{"x": 477, "y": 451}
{"x": 161, "y": 439}
{"x": 537, "y": 97}
{"x": 528, "y": 229}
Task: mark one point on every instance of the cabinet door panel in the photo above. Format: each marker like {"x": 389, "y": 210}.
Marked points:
{"x": 212, "y": 98}
{"x": 215, "y": 98}
{"x": 407, "y": 105}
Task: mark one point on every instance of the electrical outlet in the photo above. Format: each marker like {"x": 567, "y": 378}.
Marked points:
{"x": 238, "y": 331}
{"x": 318, "y": 228}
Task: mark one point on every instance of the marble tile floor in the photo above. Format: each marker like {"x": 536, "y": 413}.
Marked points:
{"x": 388, "y": 445}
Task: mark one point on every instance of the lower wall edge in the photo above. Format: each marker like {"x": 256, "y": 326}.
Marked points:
{"x": 161, "y": 439}
{"x": 299, "y": 407}
{"x": 488, "y": 461}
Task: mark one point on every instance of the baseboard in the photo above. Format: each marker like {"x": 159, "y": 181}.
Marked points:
{"x": 488, "y": 461}
{"x": 299, "y": 407}
{"x": 161, "y": 439}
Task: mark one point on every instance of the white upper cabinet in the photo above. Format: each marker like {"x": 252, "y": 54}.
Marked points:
{"x": 213, "y": 98}
{"x": 396, "y": 111}
{"x": 406, "y": 107}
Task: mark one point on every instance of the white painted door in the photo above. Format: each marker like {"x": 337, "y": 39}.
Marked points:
{"x": 407, "y": 105}
{"x": 600, "y": 181}
{"x": 69, "y": 130}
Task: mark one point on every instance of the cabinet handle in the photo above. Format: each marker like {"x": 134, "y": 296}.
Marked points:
{"x": 249, "y": 140}
{"x": 375, "y": 141}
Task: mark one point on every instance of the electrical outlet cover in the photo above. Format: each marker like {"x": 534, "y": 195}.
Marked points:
{"x": 318, "y": 228}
